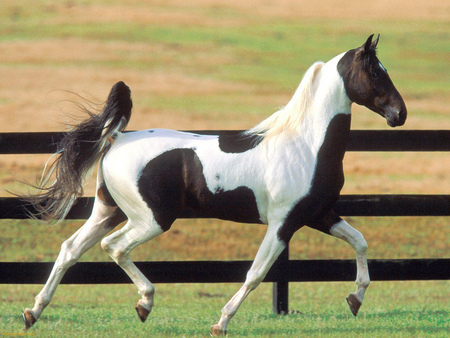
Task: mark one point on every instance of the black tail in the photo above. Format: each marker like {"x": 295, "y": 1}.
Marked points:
{"x": 78, "y": 152}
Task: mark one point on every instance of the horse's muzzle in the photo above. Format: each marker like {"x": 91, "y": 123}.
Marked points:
{"x": 397, "y": 118}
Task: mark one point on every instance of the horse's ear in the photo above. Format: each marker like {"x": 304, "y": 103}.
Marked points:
{"x": 368, "y": 48}
{"x": 374, "y": 44}
{"x": 368, "y": 45}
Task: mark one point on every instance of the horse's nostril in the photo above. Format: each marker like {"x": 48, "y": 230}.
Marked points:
{"x": 401, "y": 118}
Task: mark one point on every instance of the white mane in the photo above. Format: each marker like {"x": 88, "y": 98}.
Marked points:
{"x": 288, "y": 119}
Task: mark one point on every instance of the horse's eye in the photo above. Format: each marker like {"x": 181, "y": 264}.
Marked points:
{"x": 374, "y": 74}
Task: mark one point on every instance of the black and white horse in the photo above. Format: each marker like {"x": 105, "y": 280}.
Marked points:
{"x": 285, "y": 172}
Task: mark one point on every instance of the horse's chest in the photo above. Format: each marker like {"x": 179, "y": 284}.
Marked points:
{"x": 326, "y": 182}
{"x": 328, "y": 177}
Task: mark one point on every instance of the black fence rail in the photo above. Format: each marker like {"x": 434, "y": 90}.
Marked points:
{"x": 229, "y": 271}
{"x": 347, "y": 205}
{"x": 360, "y": 140}
{"x": 284, "y": 270}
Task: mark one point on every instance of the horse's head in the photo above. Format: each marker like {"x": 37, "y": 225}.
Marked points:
{"x": 367, "y": 83}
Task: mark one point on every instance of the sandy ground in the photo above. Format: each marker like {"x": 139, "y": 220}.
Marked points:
{"x": 32, "y": 98}
{"x": 332, "y": 9}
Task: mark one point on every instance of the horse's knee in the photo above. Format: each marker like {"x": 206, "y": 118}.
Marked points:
{"x": 360, "y": 243}
{"x": 350, "y": 235}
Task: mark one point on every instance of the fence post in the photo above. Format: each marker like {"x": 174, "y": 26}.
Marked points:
{"x": 280, "y": 298}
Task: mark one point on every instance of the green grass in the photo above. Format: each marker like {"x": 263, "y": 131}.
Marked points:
{"x": 410, "y": 309}
{"x": 398, "y": 309}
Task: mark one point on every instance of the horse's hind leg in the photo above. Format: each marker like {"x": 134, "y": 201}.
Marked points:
{"x": 103, "y": 219}
{"x": 119, "y": 244}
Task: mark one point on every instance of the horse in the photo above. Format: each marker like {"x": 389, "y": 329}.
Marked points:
{"x": 286, "y": 172}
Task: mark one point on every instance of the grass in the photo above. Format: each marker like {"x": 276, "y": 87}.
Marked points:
{"x": 319, "y": 309}
{"x": 220, "y": 66}
{"x": 419, "y": 66}
{"x": 399, "y": 309}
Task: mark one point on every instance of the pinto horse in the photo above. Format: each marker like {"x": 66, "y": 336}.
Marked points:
{"x": 285, "y": 172}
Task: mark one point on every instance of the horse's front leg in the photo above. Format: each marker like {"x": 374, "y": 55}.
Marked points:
{"x": 268, "y": 252}
{"x": 332, "y": 224}
{"x": 346, "y": 232}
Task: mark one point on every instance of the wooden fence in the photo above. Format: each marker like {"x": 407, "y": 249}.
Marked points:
{"x": 284, "y": 270}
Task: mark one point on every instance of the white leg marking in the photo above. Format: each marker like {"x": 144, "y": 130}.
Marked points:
{"x": 119, "y": 244}
{"x": 71, "y": 250}
{"x": 346, "y": 232}
{"x": 268, "y": 252}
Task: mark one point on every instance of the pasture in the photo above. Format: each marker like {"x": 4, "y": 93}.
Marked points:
{"x": 220, "y": 64}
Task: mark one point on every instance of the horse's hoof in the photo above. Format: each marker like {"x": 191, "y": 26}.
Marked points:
{"x": 28, "y": 318}
{"x": 216, "y": 331}
{"x": 353, "y": 303}
{"x": 142, "y": 312}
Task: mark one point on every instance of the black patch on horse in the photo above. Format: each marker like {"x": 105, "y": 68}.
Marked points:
{"x": 326, "y": 185}
{"x": 238, "y": 143}
{"x": 174, "y": 182}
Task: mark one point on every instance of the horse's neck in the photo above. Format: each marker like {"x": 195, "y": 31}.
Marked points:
{"x": 330, "y": 100}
